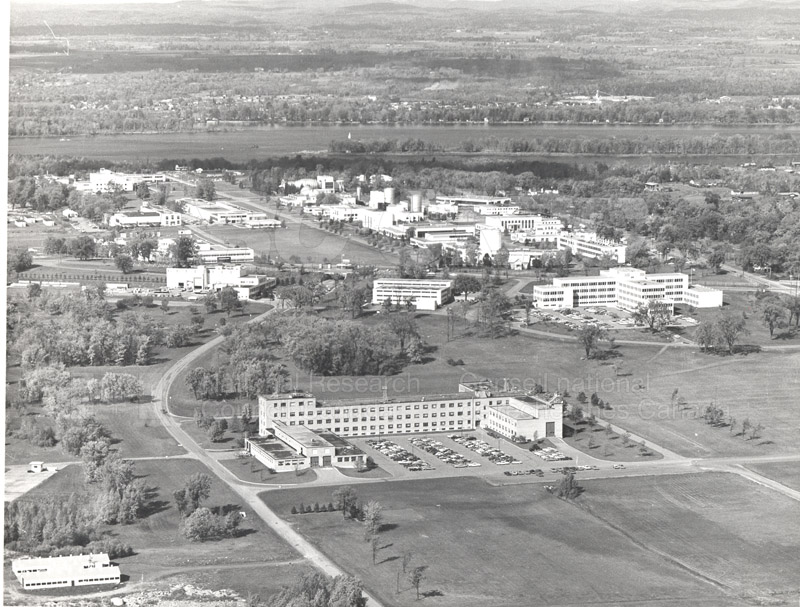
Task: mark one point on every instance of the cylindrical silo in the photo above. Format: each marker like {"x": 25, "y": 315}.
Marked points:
{"x": 416, "y": 203}
{"x": 388, "y": 195}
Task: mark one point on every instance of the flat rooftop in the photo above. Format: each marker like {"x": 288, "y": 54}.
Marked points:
{"x": 342, "y": 446}
{"x": 512, "y": 412}
{"x": 703, "y": 289}
{"x": 304, "y": 435}
{"x": 278, "y": 449}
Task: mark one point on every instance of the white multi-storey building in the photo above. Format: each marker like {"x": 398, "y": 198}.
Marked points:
{"x": 536, "y": 224}
{"x": 424, "y": 294}
{"x": 588, "y": 244}
{"x": 466, "y": 409}
{"x": 624, "y": 288}
{"x": 493, "y": 209}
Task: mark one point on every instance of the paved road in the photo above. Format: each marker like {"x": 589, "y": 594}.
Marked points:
{"x": 246, "y": 491}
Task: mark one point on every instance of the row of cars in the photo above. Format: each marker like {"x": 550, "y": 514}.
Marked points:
{"x": 448, "y": 456}
{"x": 537, "y": 472}
{"x": 484, "y": 449}
{"x": 551, "y": 454}
{"x": 401, "y": 456}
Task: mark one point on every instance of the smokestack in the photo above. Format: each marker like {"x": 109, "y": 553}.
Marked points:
{"x": 385, "y": 391}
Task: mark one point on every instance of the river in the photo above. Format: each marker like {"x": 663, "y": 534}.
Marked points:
{"x": 264, "y": 142}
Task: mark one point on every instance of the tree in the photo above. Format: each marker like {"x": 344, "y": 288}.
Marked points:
{"x": 83, "y": 247}
{"x": 373, "y": 517}
{"x": 405, "y": 327}
{"x": 202, "y": 525}
{"x": 205, "y": 189}
{"x": 216, "y": 432}
{"x": 124, "y": 263}
{"x": 590, "y": 336}
{"x": 706, "y": 335}
{"x": 415, "y": 576}
{"x": 654, "y": 314}
{"x": 774, "y": 315}
{"x": 94, "y": 454}
{"x": 228, "y": 300}
{"x": 19, "y": 261}
{"x": 165, "y": 306}
{"x": 730, "y": 327}
{"x": 345, "y": 499}
{"x": 183, "y": 251}
{"x": 568, "y": 488}
{"x": 464, "y": 283}
{"x": 197, "y": 489}
{"x": 115, "y": 387}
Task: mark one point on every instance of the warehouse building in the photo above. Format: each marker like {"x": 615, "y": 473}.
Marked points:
{"x": 65, "y": 571}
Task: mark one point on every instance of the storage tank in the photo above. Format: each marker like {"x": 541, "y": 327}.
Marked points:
{"x": 490, "y": 241}
{"x": 416, "y": 203}
{"x": 388, "y": 195}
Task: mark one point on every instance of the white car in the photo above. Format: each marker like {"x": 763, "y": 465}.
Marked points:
{"x": 619, "y": 466}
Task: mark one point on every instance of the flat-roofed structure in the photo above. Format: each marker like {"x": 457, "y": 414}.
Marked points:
{"x": 590, "y": 245}
{"x": 212, "y": 254}
{"x": 624, "y": 288}
{"x": 424, "y": 294}
{"x": 144, "y": 218}
{"x": 65, "y": 571}
{"x": 463, "y": 410}
{"x": 535, "y": 224}
{"x": 283, "y": 448}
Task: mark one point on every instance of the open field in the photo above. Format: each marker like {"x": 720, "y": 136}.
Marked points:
{"x": 528, "y": 546}
{"x": 161, "y": 549}
{"x": 605, "y": 445}
{"x": 251, "y": 470}
{"x": 715, "y": 524}
{"x": 309, "y": 243}
{"x": 786, "y": 473}
{"x": 640, "y": 397}
{"x": 134, "y": 429}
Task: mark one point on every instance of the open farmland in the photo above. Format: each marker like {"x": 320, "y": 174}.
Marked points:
{"x": 708, "y": 523}
{"x": 528, "y": 546}
{"x": 257, "y": 561}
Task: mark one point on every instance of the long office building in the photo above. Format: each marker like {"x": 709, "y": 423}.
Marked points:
{"x": 536, "y": 224}
{"x": 590, "y": 245}
{"x": 424, "y": 294}
{"x": 624, "y": 288}
{"x": 475, "y": 404}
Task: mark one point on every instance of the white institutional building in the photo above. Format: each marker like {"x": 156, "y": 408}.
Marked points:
{"x": 424, "y": 294}
{"x": 624, "y": 288}
{"x": 590, "y": 245}
{"x": 297, "y": 422}
{"x": 202, "y": 279}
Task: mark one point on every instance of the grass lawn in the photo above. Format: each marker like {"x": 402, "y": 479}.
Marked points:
{"x": 512, "y": 545}
{"x": 160, "y": 547}
{"x": 308, "y": 242}
{"x": 605, "y": 445}
{"x": 744, "y": 302}
{"x": 786, "y": 473}
{"x": 251, "y": 470}
{"x": 134, "y": 429}
{"x": 725, "y": 528}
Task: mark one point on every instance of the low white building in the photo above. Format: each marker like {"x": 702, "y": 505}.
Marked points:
{"x": 285, "y": 448}
{"x": 213, "y": 254}
{"x": 220, "y": 212}
{"x": 493, "y": 209}
{"x": 148, "y": 218}
{"x": 202, "y": 279}
{"x": 65, "y": 571}
{"x": 699, "y": 296}
{"x": 424, "y": 294}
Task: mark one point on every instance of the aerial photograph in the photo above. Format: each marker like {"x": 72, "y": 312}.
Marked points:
{"x": 399, "y": 303}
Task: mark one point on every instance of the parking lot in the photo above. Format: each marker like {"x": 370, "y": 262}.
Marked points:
{"x": 468, "y": 453}
{"x": 606, "y": 318}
